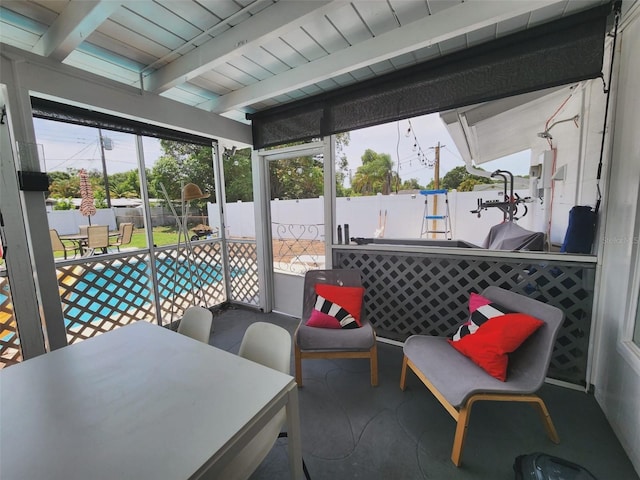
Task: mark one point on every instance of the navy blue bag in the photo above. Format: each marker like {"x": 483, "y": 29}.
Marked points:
{"x": 580, "y": 231}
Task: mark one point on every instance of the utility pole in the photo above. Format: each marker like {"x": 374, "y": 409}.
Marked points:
{"x": 104, "y": 170}
{"x": 436, "y": 185}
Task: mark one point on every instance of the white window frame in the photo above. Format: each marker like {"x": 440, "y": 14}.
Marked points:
{"x": 630, "y": 350}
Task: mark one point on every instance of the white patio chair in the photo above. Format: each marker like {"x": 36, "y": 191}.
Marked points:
{"x": 196, "y": 323}
{"x": 268, "y": 345}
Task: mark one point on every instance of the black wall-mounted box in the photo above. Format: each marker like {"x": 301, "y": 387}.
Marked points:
{"x": 33, "y": 181}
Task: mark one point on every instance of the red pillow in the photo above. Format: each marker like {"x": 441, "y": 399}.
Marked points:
{"x": 349, "y": 298}
{"x": 489, "y": 345}
{"x": 322, "y": 320}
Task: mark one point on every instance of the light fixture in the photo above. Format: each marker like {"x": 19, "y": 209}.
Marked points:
{"x": 546, "y": 133}
{"x": 229, "y": 152}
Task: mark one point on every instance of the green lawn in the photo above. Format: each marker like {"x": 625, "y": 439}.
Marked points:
{"x": 161, "y": 236}
{"x": 164, "y": 235}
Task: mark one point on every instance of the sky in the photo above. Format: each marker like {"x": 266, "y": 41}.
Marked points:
{"x": 64, "y": 145}
{"x": 409, "y": 140}
{"x": 410, "y": 143}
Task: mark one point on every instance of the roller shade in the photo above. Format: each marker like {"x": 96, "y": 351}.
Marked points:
{"x": 60, "y": 112}
{"x": 557, "y": 53}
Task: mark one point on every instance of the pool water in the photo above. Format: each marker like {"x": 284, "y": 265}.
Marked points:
{"x": 118, "y": 288}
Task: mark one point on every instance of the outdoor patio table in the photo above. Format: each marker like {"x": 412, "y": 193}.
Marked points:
{"x": 139, "y": 402}
{"x": 81, "y": 239}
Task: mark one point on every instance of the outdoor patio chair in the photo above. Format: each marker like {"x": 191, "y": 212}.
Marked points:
{"x": 97, "y": 239}
{"x": 124, "y": 235}
{"x": 59, "y": 246}
{"x": 330, "y": 343}
{"x": 196, "y": 323}
{"x": 457, "y": 382}
{"x": 268, "y": 345}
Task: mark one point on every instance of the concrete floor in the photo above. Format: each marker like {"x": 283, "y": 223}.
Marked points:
{"x": 352, "y": 430}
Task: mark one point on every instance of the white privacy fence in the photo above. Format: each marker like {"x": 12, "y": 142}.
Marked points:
{"x": 69, "y": 221}
{"x": 365, "y": 215}
{"x": 400, "y": 216}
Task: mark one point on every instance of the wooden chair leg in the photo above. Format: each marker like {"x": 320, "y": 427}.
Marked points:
{"x": 298, "y": 365}
{"x": 461, "y": 434}
{"x": 403, "y": 374}
{"x": 374, "y": 364}
{"x": 546, "y": 420}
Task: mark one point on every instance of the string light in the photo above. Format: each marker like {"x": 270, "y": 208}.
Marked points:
{"x": 422, "y": 157}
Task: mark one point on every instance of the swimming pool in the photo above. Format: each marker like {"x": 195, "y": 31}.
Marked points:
{"x": 122, "y": 291}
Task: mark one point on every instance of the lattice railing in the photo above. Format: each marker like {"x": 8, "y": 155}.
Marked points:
{"x": 105, "y": 293}
{"x": 298, "y": 248}
{"x": 243, "y": 263}
{"x": 198, "y": 279}
{"x": 424, "y": 293}
{"x": 10, "y": 352}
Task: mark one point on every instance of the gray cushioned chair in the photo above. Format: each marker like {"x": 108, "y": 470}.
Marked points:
{"x": 458, "y": 383}
{"x": 313, "y": 342}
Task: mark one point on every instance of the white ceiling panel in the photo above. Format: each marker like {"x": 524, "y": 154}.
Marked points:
{"x": 287, "y": 53}
{"x": 116, "y": 45}
{"x": 146, "y": 28}
{"x": 453, "y": 45}
{"x": 324, "y": 34}
{"x": 377, "y": 16}
{"x": 267, "y": 60}
{"x": 250, "y": 68}
{"x": 408, "y": 12}
{"x": 194, "y": 13}
{"x": 438, "y": 6}
{"x": 39, "y": 13}
{"x": 98, "y": 66}
{"x": 482, "y": 35}
{"x": 20, "y": 38}
{"x": 347, "y": 21}
{"x": 299, "y": 41}
{"x": 383, "y": 67}
{"x": 207, "y": 82}
{"x": 161, "y": 15}
{"x": 513, "y": 25}
{"x": 230, "y": 56}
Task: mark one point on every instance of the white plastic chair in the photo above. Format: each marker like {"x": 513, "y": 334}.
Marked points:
{"x": 269, "y": 345}
{"x": 196, "y": 323}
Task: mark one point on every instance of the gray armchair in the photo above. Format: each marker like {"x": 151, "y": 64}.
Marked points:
{"x": 458, "y": 383}
{"x": 312, "y": 342}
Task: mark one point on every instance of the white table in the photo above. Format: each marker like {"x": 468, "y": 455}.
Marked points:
{"x": 141, "y": 402}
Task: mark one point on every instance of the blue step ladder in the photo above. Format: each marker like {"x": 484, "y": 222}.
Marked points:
{"x": 433, "y": 222}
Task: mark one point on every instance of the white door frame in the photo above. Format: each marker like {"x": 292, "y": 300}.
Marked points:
{"x": 261, "y": 193}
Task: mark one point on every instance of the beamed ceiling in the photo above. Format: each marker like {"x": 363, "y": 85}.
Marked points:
{"x": 233, "y": 57}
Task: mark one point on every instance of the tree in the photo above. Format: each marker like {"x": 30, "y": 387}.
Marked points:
{"x": 237, "y": 176}
{"x": 342, "y": 164}
{"x": 183, "y": 163}
{"x": 376, "y": 174}
{"x": 467, "y": 184}
{"x": 454, "y": 177}
{"x": 64, "y": 184}
{"x": 411, "y": 184}
{"x": 125, "y": 184}
{"x": 294, "y": 178}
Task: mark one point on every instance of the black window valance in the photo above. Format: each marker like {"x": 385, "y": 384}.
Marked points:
{"x": 50, "y": 110}
{"x": 557, "y": 53}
